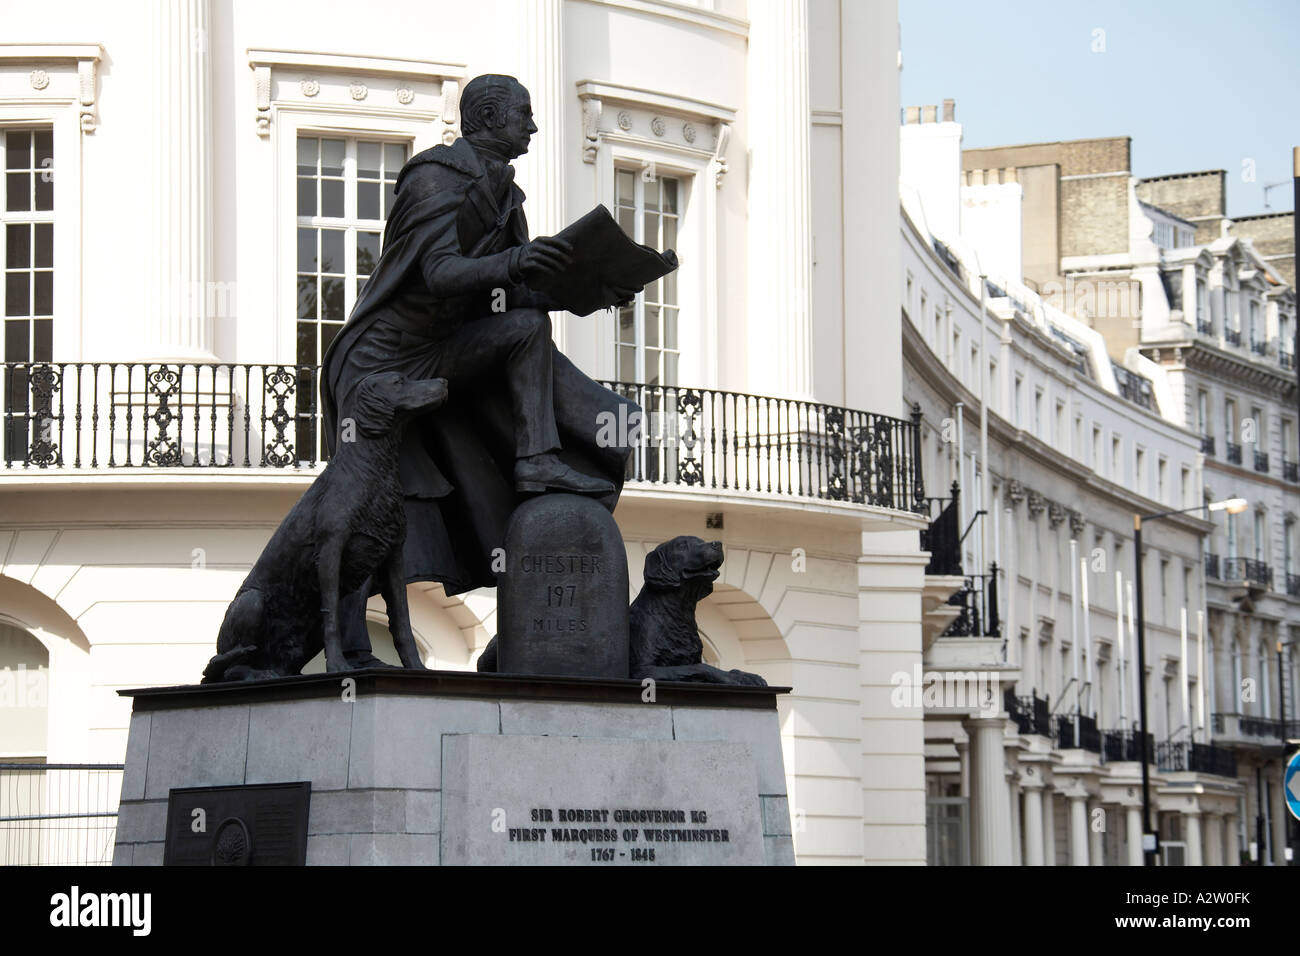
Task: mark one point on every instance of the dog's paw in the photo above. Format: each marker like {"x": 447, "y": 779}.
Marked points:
{"x": 744, "y": 677}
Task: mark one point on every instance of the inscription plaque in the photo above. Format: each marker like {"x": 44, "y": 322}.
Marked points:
{"x": 562, "y": 599}
{"x": 261, "y": 824}
{"x": 518, "y": 800}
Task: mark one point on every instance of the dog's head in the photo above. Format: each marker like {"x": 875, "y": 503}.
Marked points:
{"x": 685, "y": 561}
{"x": 386, "y": 399}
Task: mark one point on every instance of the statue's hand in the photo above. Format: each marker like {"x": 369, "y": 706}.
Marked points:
{"x": 544, "y": 256}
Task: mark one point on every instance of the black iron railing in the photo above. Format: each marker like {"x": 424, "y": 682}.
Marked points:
{"x": 1089, "y": 735}
{"x": 1286, "y": 359}
{"x": 978, "y": 601}
{"x": 1180, "y": 756}
{"x": 1125, "y": 745}
{"x": 1204, "y": 326}
{"x": 1259, "y": 347}
{"x": 94, "y": 415}
{"x": 1233, "y": 452}
{"x": 1261, "y": 461}
{"x": 1248, "y": 569}
{"x": 943, "y": 537}
{"x": 1268, "y": 727}
{"x": 1207, "y": 444}
{"x": 1232, "y": 336}
{"x": 1031, "y": 714}
{"x": 1291, "y": 470}
{"x": 1211, "y": 565}
{"x": 1134, "y": 387}
{"x": 1293, "y": 584}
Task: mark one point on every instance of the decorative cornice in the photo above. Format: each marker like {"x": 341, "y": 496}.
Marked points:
{"x": 651, "y": 117}
{"x": 361, "y": 75}
{"x": 85, "y": 56}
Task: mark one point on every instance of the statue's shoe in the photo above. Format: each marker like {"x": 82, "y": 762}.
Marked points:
{"x": 359, "y": 660}
{"x": 543, "y": 473}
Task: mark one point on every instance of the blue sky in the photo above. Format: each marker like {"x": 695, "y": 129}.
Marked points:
{"x": 1196, "y": 84}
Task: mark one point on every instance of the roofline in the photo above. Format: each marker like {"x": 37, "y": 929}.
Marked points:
{"x": 1052, "y": 142}
{"x": 1202, "y": 172}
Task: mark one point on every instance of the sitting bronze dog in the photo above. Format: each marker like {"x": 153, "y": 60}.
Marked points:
{"x": 666, "y": 643}
{"x": 350, "y": 525}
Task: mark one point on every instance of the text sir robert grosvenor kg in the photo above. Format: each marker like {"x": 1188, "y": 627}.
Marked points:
{"x": 75, "y": 908}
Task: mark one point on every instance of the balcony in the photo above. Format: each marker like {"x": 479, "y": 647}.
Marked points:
{"x": 1233, "y": 452}
{"x": 1293, "y": 584}
{"x": 1259, "y": 347}
{"x": 1286, "y": 359}
{"x": 1031, "y": 714}
{"x": 1232, "y": 336}
{"x": 1261, "y": 462}
{"x": 1204, "y": 326}
{"x": 943, "y": 538}
{"x": 1207, "y": 444}
{"x": 1268, "y": 728}
{"x": 1125, "y": 745}
{"x": 1249, "y": 570}
{"x": 1291, "y": 470}
{"x": 978, "y": 604}
{"x": 1089, "y": 736}
{"x": 1211, "y": 565}
{"x": 1133, "y": 387}
{"x": 106, "y": 416}
{"x": 1197, "y": 758}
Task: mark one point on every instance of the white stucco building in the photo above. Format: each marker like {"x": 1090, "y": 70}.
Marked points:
{"x": 194, "y": 193}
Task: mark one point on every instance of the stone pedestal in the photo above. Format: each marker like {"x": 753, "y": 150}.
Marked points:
{"x": 563, "y": 597}
{"x": 453, "y": 768}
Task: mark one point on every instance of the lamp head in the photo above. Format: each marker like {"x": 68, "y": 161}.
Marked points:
{"x": 1234, "y": 506}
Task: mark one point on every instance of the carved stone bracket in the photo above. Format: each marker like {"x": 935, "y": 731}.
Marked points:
{"x": 38, "y": 62}
{"x": 1076, "y": 523}
{"x": 1015, "y": 493}
{"x": 1035, "y": 503}
{"x": 1055, "y": 513}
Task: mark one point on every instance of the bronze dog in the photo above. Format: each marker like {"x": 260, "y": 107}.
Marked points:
{"x": 666, "y": 643}
{"x": 348, "y": 526}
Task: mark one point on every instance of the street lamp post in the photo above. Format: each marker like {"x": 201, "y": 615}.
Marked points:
{"x": 1150, "y": 839}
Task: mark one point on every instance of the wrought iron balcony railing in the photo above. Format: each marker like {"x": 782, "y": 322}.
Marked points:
{"x": 102, "y": 415}
{"x": 1089, "y": 735}
{"x": 1031, "y": 715}
{"x": 1198, "y": 758}
{"x": 1259, "y": 346}
{"x": 1268, "y": 727}
{"x": 1261, "y": 461}
{"x": 1232, "y": 336}
{"x": 1232, "y": 452}
{"x": 1118, "y": 746}
{"x": 1293, "y": 584}
{"x": 978, "y": 601}
{"x": 943, "y": 538}
{"x": 1207, "y": 444}
{"x": 1248, "y": 569}
{"x": 1211, "y": 565}
{"x": 1291, "y": 470}
{"x": 1286, "y": 359}
{"x": 1204, "y": 326}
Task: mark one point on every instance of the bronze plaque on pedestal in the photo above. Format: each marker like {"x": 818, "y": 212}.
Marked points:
{"x": 262, "y": 824}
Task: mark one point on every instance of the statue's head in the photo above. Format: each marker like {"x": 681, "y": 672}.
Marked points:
{"x": 496, "y": 112}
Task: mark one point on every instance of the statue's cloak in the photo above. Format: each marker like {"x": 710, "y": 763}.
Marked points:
{"x": 457, "y": 464}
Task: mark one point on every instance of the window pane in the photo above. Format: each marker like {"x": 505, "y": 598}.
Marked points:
{"x": 18, "y": 145}
{"x": 367, "y": 252}
{"x": 17, "y": 293}
{"x": 18, "y": 246}
{"x": 670, "y": 368}
{"x": 394, "y": 158}
{"x": 44, "y": 299}
{"x": 651, "y": 235}
{"x": 368, "y": 200}
{"x": 651, "y": 328}
{"x": 670, "y": 288}
{"x": 306, "y": 197}
{"x": 627, "y": 326}
{"x": 670, "y": 234}
{"x": 652, "y": 291}
{"x": 43, "y": 140}
{"x": 16, "y": 342}
{"x": 306, "y": 297}
{"x": 306, "y": 343}
{"x": 331, "y": 198}
{"x": 627, "y": 221}
{"x": 331, "y": 250}
{"x": 368, "y": 160}
{"x": 390, "y": 194}
{"x": 652, "y": 196}
{"x": 45, "y": 244}
{"x": 625, "y": 187}
{"x": 670, "y": 328}
{"x": 670, "y": 195}
{"x": 332, "y": 299}
{"x": 306, "y": 250}
{"x": 44, "y": 191}
{"x": 43, "y": 340}
{"x": 331, "y": 157}
{"x": 327, "y": 332}
{"x": 652, "y": 367}
{"x": 307, "y": 147}
{"x": 626, "y": 364}
{"x": 17, "y": 192}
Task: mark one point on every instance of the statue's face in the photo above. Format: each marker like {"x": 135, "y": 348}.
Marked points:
{"x": 519, "y": 126}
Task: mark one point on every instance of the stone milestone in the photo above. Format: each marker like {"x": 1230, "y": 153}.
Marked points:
{"x": 562, "y": 598}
